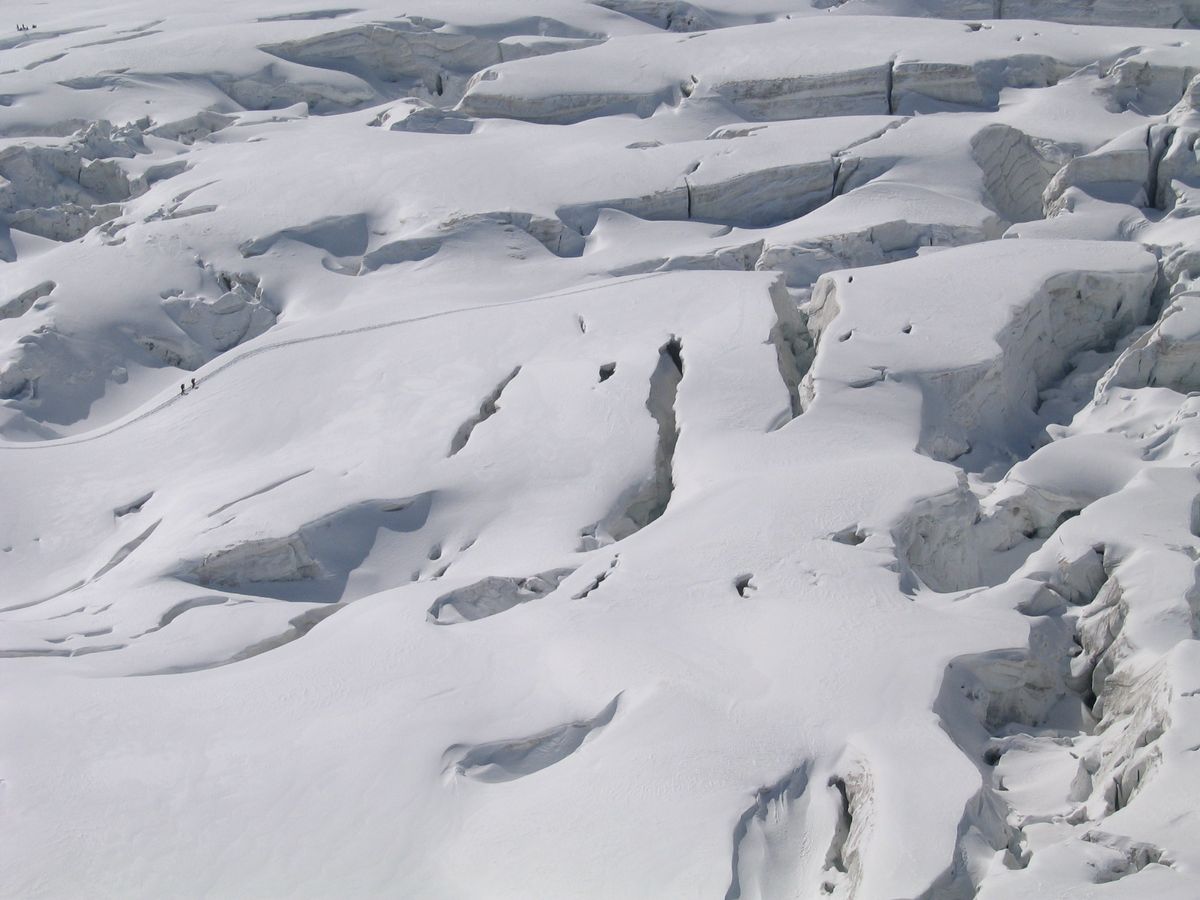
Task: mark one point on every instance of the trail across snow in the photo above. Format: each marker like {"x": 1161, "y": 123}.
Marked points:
{"x": 237, "y": 358}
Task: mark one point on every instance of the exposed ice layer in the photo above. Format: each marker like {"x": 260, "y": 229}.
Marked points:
{"x": 411, "y": 48}
{"x": 492, "y": 595}
{"x": 52, "y": 377}
{"x": 786, "y": 193}
{"x": 322, "y": 553}
{"x": 794, "y": 345}
{"x": 803, "y": 835}
{"x": 555, "y": 234}
{"x": 498, "y": 761}
{"x": 487, "y": 409}
{"x": 645, "y": 502}
{"x": 735, "y": 177}
{"x": 854, "y": 67}
{"x": 1119, "y": 171}
{"x": 23, "y": 302}
{"x": 285, "y": 559}
{"x": 1074, "y": 726}
{"x": 1156, "y": 14}
{"x": 61, "y": 192}
{"x": 865, "y": 91}
{"x": 424, "y": 118}
{"x": 1015, "y": 173}
{"x": 670, "y": 15}
{"x": 1167, "y": 355}
{"x": 338, "y": 235}
{"x": 1172, "y": 146}
{"x": 1175, "y": 167}
{"x": 980, "y": 351}
{"x": 764, "y": 829}
{"x": 265, "y": 89}
{"x": 912, "y": 84}
{"x": 239, "y": 314}
{"x": 190, "y": 129}
{"x": 1153, "y": 14}
{"x": 804, "y": 261}
{"x": 421, "y": 49}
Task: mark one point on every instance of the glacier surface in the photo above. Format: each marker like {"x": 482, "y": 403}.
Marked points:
{"x": 600, "y": 448}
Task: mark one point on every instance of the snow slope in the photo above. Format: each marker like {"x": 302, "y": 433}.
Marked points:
{"x": 633, "y": 448}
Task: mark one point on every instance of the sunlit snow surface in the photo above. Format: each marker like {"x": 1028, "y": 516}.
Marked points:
{"x": 638, "y": 449}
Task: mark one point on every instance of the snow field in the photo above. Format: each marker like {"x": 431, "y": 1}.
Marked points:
{"x": 638, "y": 449}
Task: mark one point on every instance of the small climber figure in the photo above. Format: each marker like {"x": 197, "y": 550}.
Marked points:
{"x": 193, "y": 382}
{"x": 182, "y": 390}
